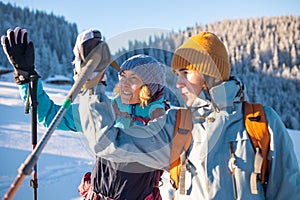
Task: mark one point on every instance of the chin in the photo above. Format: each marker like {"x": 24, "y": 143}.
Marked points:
{"x": 129, "y": 100}
{"x": 125, "y": 101}
{"x": 185, "y": 98}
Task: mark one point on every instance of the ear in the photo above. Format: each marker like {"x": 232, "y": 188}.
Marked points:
{"x": 211, "y": 81}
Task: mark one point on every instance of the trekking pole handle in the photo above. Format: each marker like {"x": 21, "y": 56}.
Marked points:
{"x": 33, "y": 94}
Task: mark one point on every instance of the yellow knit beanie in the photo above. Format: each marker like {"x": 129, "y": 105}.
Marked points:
{"x": 204, "y": 53}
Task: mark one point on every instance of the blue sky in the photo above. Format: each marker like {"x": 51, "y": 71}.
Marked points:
{"x": 114, "y": 17}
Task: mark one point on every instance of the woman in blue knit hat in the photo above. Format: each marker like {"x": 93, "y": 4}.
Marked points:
{"x": 140, "y": 91}
{"x": 139, "y": 99}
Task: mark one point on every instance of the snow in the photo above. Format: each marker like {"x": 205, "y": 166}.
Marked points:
{"x": 63, "y": 161}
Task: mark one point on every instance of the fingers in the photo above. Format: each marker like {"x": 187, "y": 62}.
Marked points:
{"x": 3, "y": 38}
{"x": 17, "y": 36}
{"x": 5, "y": 44}
{"x": 24, "y": 36}
{"x": 11, "y": 38}
{"x": 20, "y": 35}
{"x": 10, "y": 34}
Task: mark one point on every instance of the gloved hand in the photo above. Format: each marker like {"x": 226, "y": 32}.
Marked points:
{"x": 87, "y": 42}
{"x": 20, "y": 54}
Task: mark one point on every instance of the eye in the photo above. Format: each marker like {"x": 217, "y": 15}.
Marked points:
{"x": 122, "y": 74}
{"x": 134, "y": 79}
{"x": 175, "y": 73}
{"x": 181, "y": 72}
{"x": 185, "y": 73}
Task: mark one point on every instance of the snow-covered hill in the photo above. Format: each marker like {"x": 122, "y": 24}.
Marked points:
{"x": 65, "y": 158}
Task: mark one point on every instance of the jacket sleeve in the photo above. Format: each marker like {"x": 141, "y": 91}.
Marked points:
{"x": 149, "y": 145}
{"x": 47, "y": 109}
{"x": 284, "y": 174}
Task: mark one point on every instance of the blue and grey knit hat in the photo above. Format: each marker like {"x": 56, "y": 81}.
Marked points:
{"x": 148, "y": 69}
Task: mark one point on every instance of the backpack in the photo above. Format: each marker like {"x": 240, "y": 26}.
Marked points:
{"x": 256, "y": 127}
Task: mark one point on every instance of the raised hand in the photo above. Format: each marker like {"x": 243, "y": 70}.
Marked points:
{"x": 20, "y": 54}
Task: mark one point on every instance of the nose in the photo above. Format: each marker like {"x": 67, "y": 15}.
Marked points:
{"x": 124, "y": 82}
{"x": 180, "y": 82}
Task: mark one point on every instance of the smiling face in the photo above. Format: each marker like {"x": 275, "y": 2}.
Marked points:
{"x": 130, "y": 86}
{"x": 190, "y": 84}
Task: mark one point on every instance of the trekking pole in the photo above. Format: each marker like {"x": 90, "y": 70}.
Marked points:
{"x": 98, "y": 59}
{"x": 34, "y": 103}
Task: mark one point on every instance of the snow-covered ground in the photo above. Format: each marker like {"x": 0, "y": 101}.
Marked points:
{"x": 63, "y": 161}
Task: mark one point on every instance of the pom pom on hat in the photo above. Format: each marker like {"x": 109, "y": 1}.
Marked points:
{"x": 204, "y": 53}
{"x": 148, "y": 69}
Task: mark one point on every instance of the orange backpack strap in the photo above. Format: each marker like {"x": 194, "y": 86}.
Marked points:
{"x": 180, "y": 144}
{"x": 257, "y": 129}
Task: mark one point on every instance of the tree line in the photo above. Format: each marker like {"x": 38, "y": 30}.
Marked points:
{"x": 263, "y": 52}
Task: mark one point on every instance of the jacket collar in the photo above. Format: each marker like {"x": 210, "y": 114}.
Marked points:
{"x": 223, "y": 96}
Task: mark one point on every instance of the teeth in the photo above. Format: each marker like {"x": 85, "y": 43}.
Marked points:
{"x": 126, "y": 93}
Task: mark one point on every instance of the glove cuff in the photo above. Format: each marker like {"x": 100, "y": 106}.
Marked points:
{"x": 21, "y": 77}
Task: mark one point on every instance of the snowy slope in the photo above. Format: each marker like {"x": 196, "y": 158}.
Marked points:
{"x": 64, "y": 160}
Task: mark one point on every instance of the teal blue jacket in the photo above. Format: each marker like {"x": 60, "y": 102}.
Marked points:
{"x": 133, "y": 114}
{"x": 47, "y": 109}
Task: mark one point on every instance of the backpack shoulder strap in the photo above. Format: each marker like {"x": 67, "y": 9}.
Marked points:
{"x": 257, "y": 129}
{"x": 181, "y": 142}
